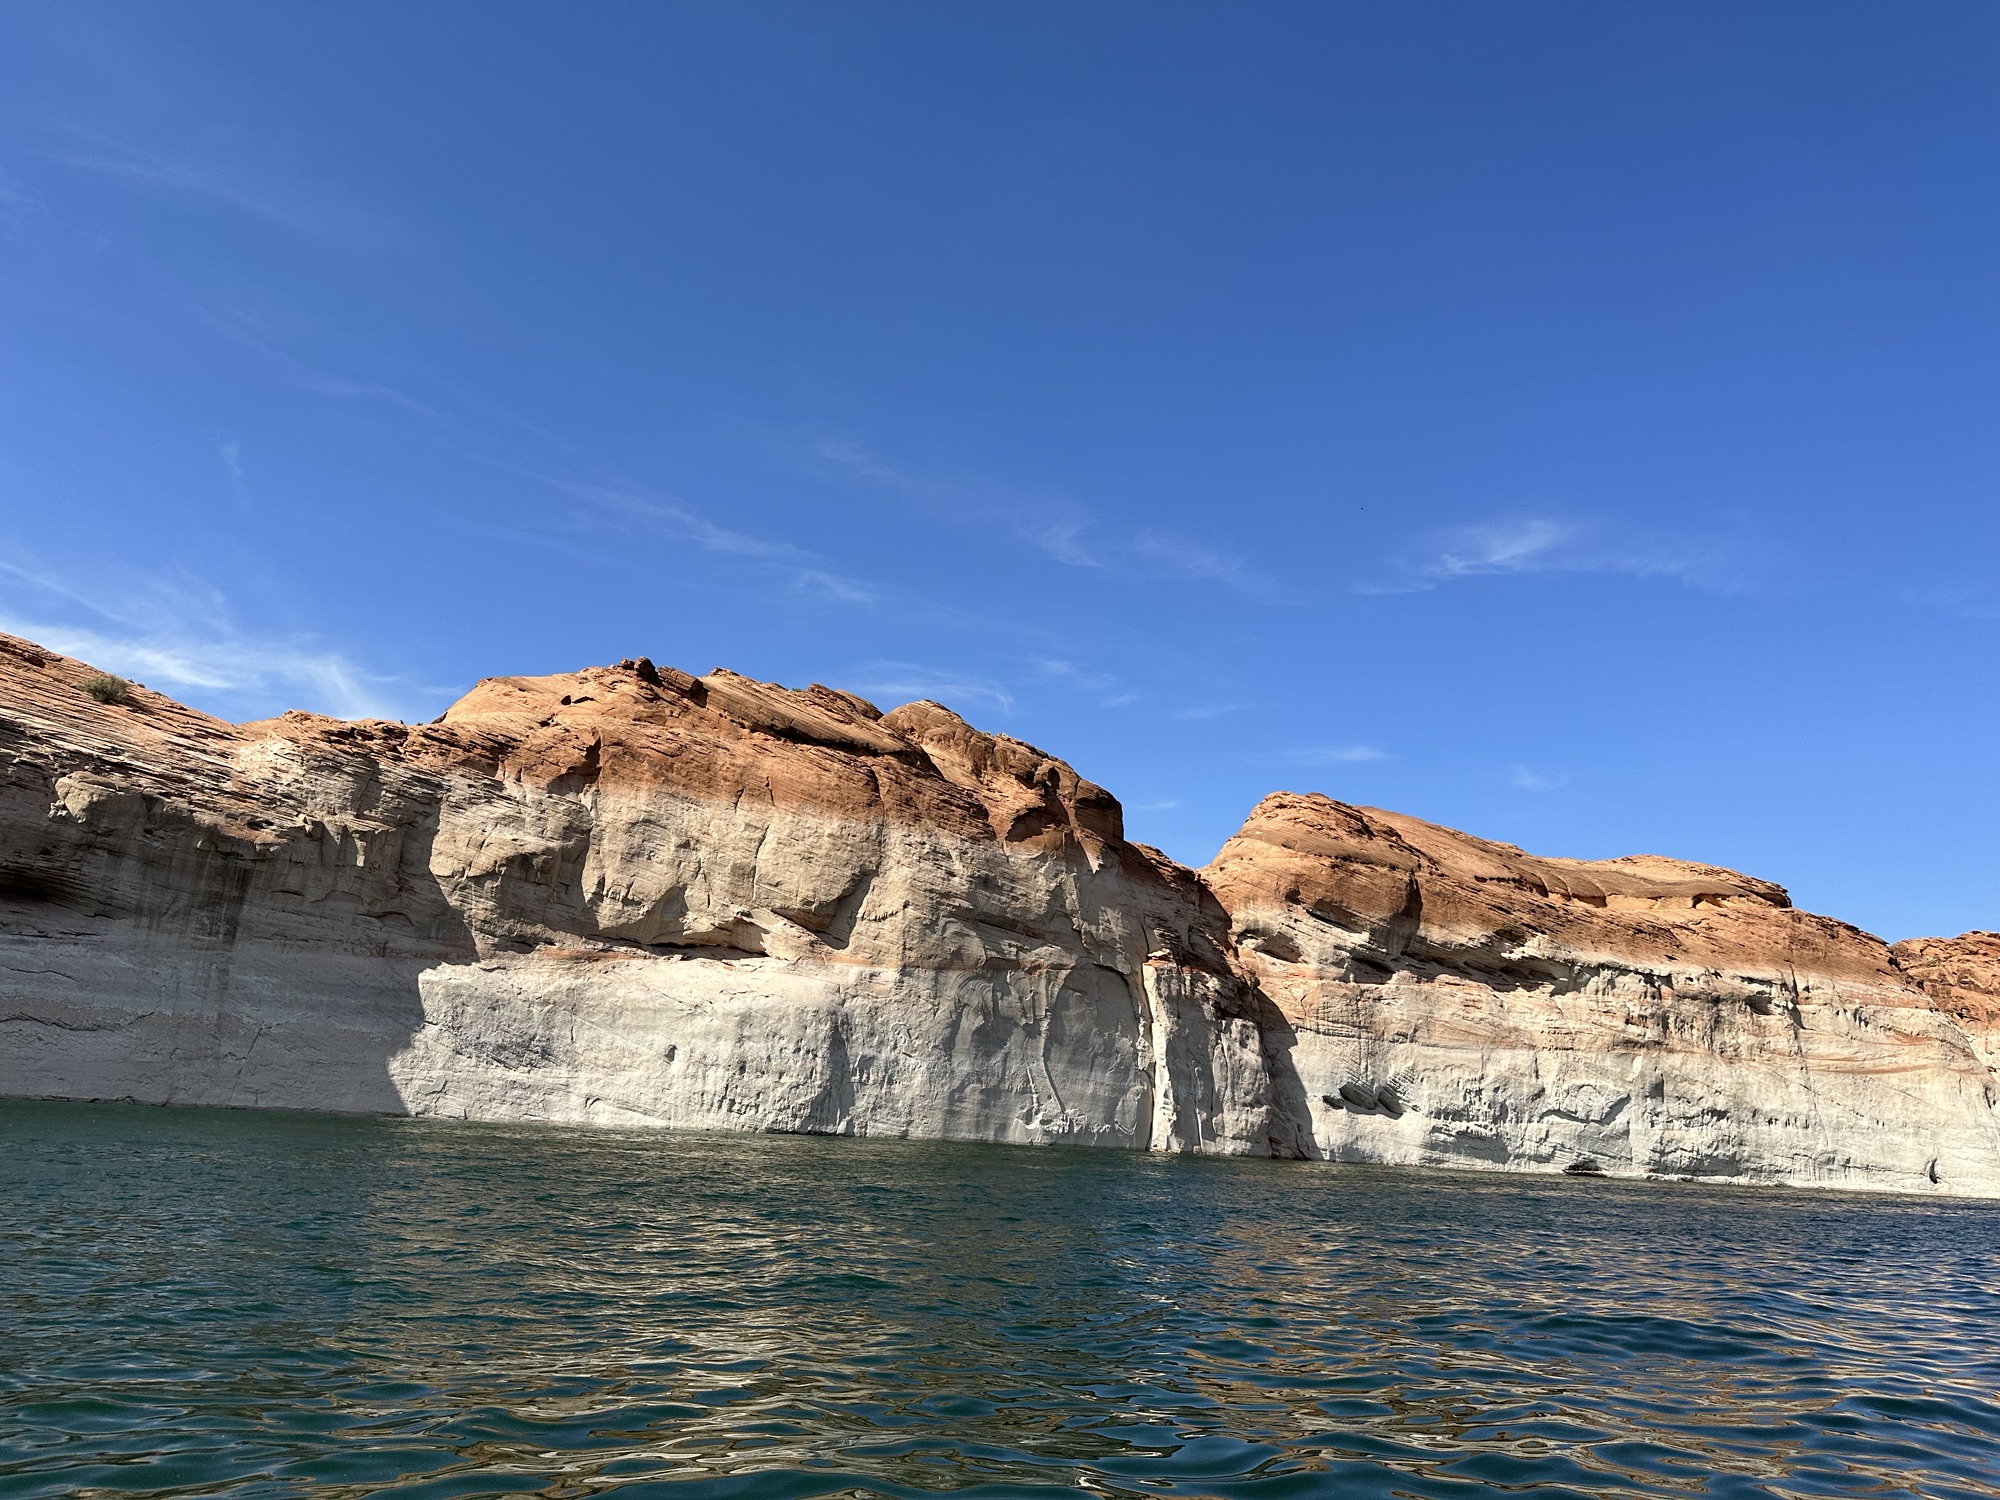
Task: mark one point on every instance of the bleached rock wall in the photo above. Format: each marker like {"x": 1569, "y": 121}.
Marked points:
{"x": 1454, "y": 1002}
{"x": 629, "y": 896}
{"x": 618, "y": 896}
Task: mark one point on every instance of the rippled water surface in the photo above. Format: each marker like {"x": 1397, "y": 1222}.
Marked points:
{"x": 207, "y": 1303}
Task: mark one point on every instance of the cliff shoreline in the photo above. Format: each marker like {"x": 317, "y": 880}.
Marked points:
{"x": 628, "y": 895}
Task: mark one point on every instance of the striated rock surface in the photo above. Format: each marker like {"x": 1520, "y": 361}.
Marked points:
{"x": 631, "y": 896}
{"x": 623, "y": 895}
{"x": 1455, "y": 1001}
{"x": 1962, "y": 977}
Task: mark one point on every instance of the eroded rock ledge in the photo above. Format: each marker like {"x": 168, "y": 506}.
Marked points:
{"x": 631, "y": 896}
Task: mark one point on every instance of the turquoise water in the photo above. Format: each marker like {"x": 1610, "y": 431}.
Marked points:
{"x": 211, "y": 1303}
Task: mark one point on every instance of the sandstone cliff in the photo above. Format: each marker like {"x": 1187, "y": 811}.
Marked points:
{"x": 622, "y": 895}
{"x": 631, "y": 896}
{"x": 1455, "y": 1000}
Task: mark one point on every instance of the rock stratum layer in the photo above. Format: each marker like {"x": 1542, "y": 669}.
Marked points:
{"x": 630, "y": 896}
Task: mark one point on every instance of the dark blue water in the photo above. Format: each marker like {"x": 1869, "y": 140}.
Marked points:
{"x": 208, "y": 1303}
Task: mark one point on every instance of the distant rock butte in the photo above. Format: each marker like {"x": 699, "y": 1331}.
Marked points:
{"x": 628, "y": 896}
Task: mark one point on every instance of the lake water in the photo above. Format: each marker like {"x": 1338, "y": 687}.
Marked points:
{"x": 209, "y": 1303}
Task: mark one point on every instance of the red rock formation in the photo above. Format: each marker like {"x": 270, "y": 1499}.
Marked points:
{"x": 630, "y": 895}
{"x": 1962, "y": 977}
{"x": 623, "y": 894}
{"x": 1647, "y": 1014}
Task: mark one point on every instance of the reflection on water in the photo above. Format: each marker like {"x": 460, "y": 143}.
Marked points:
{"x": 207, "y": 1303}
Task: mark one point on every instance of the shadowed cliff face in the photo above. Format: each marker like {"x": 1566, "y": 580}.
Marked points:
{"x": 628, "y": 895}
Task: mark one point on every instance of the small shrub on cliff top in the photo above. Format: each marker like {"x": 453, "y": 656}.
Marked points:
{"x": 109, "y": 689}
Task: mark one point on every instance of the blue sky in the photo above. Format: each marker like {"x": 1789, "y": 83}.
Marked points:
{"x": 1569, "y": 422}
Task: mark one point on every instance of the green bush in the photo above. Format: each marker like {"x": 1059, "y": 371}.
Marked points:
{"x": 109, "y": 689}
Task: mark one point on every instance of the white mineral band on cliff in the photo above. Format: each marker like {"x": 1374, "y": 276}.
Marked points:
{"x": 630, "y": 896}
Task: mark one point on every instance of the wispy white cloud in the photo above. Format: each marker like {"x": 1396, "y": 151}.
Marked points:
{"x": 1965, "y": 605}
{"x": 858, "y": 462}
{"x": 959, "y": 689}
{"x": 20, "y": 210}
{"x": 1526, "y": 546}
{"x": 370, "y": 390}
{"x": 905, "y": 681}
{"x": 240, "y": 326}
{"x": 179, "y": 636}
{"x": 1049, "y": 522}
{"x": 613, "y": 500}
{"x": 805, "y": 572}
{"x": 1526, "y": 780}
{"x": 237, "y": 666}
{"x": 1712, "y": 559}
{"x": 279, "y": 193}
{"x": 1106, "y": 687}
{"x": 1165, "y": 804}
{"x": 230, "y": 452}
{"x": 1335, "y": 755}
{"x": 1174, "y": 554}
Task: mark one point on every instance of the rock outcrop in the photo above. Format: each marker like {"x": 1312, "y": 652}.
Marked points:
{"x": 1460, "y": 1001}
{"x": 1962, "y": 977}
{"x": 623, "y": 895}
{"x": 630, "y": 896}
